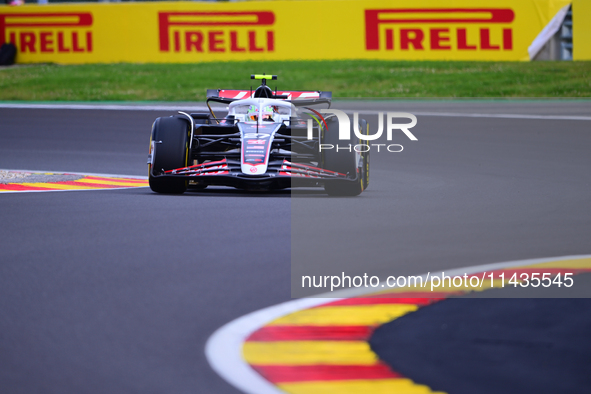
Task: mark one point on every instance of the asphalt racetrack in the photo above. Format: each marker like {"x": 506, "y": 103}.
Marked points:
{"x": 118, "y": 290}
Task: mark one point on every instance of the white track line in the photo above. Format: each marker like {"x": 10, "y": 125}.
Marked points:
{"x": 113, "y": 107}
{"x": 224, "y": 347}
{"x": 133, "y": 107}
{"x": 471, "y": 115}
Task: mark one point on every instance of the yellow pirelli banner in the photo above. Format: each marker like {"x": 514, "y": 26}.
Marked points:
{"x": 581, "y": 29}
{"x": 180, "y": 32}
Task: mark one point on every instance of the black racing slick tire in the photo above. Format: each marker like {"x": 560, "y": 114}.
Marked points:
{"x": 364, "y": 127}
{"x": 169, "y": 145}
{"x": 345, "y": 160}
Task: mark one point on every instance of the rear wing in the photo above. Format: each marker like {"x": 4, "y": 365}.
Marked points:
{"x": 295, "y": 96}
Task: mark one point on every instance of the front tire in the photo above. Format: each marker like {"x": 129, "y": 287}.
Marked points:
{"x": 169, "y": 144}
{"x": 344, "y": 161}
{"x": 364, "y": 127}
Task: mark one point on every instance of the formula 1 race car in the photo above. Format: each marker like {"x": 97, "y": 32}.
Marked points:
{"x": 264, "y": 142}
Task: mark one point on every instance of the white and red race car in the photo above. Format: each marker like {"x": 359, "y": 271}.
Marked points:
{"x": 265, "y": 142}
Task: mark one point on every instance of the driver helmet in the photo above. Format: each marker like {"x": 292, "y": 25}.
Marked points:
{"x": 268, "y": 113}
{"x": 252, "y": 113}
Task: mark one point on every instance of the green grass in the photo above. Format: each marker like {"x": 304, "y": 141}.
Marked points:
{"x": 359, "y": 78}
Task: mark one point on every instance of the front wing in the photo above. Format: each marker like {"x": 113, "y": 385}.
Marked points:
{"x": 280, "y": 174}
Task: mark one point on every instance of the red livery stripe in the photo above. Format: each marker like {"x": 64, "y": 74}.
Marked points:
{"x": 309, "y": 373}
{"x": 83, "y": 185}
{"x": 17, "y": 187}
{"x": 126, "y": 180}
{"x": 311, "y": 333}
